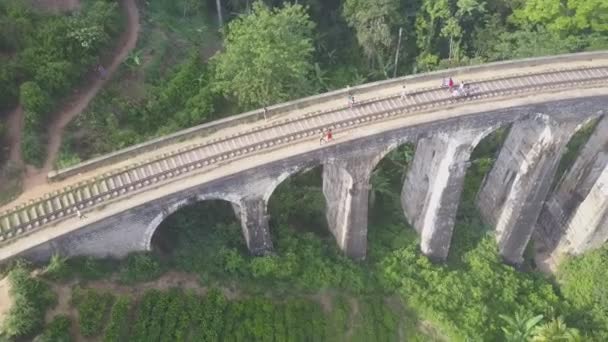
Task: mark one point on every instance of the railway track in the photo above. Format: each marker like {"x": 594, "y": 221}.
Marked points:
{"x": 59, "y": 205}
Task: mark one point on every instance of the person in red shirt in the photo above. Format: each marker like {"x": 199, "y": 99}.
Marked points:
{"x": 450, "y": 84}
{"x": 327, "y": 137}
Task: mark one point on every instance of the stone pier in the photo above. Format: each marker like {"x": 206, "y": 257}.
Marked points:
{"x": 346, "y": 185}
{"x": 431, "y": 191}
{"x": 254, "y": 222}
{"x": 513, "y": 192}
{"x": 575, "y": 216}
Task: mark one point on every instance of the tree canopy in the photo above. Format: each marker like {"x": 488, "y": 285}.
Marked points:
{"x": 267, "y": 57}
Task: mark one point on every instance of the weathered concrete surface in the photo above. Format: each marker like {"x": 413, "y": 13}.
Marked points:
{"x": 575, "y": 216}
{"x": 133, "y": 230}
{"x": 254, "y": 221}
{"x": 346, "y": 186}
{"x": 431, "y": 191}
{"x": 513, "y": 192}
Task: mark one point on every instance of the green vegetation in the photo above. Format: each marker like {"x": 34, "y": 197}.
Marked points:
{"x": 582, "y": 281}
{"x": 277, "y": 48}
{"x": 118, "y": 324}
{"x": 10, "y": 182}
{"x": 139, "y": 267}
{"x": 306, "y": 290}
{"x": 92, "y": 309}
{"x": 472, "y": 297}
{"x": 49, "y": 55}
{"x": 58, "y": 330}
{"x": 30, "y": 299}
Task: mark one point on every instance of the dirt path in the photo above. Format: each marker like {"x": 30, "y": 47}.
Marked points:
{"x": 15, "y": 126}
{"x": 82, "y": 97}
{"x": 5, "y": 300}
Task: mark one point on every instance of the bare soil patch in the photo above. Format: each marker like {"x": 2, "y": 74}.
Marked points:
{"x": 5, "y": 300}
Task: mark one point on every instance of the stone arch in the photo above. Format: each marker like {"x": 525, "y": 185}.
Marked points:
{"x": 432, "y": 189}
{"x": 528, "y": 162}
{"x": 172, "y": 208}
{"x": 564, "y": 226}
{"x": 278, "y": 180}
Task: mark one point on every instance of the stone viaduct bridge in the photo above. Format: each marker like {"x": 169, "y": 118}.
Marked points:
{"x": 124, "y": 196}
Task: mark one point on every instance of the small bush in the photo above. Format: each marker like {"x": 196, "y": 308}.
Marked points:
{"x": 31, "y": 298}
{"x": 57, "y": 331}
{"x": 92, "y": 307}
{"x": 57, "y": 268}
{"x": 119, "y": 321}
{"x": 138, "y": 268}
{"x": 32, "y": 147}
{"x": 35, "y": 103}
{"x": 88, "y": 268}
{"x": 66, "y": 159}
{"x": 264, "y": 266}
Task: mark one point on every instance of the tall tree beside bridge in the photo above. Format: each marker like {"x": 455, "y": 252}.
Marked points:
{"x": 267, "y": 57}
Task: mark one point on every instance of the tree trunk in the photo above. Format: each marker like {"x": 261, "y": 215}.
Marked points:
{"x": 218, "y": 4}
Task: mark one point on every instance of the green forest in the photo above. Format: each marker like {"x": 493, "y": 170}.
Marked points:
{"x": 307, "y": 290}
{"x": 187, "y": 70}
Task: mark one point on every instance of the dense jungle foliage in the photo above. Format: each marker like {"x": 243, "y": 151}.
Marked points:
{"x": 177, "y": 77}
{"x": 45, "y": 56}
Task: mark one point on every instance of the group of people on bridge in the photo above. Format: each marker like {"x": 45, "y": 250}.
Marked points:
{"x": 463, "y": 89}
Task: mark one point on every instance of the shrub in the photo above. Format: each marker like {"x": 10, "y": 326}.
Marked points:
{"x": 32, "y": 148}
{"x": 139, "y": 267}
{"x": 92, "y": 307}
{"x": 57, "y": 331}
{"x": 35, "y": 103}
{"x": 66, "y": 159}
{"x": 265, "y": 266}
{"x": 89, "y": 268}
{"x": 57, "y": 268}
{"x": 31, "y": 298}
{"x": 583, "y": 282}
{"x": 119, "y": 321}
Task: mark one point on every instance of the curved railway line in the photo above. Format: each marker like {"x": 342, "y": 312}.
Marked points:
{"x": 59, "y": 205}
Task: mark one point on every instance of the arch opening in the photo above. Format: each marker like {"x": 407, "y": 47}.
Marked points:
{"x": 197, "y": 231}
{"x": 469, "y": 229}
{"x": 386, "y": 184}
{"x": 564, "y": 194}
{"x": 298, "y": 205}
{"x": 576, "y": 143}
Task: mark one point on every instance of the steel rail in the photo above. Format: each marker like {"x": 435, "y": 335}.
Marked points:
{"x": 28, "y": 218}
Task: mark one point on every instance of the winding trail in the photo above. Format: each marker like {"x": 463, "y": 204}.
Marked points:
{"x": 82, "y": 97}
{"x": 15, "y": 126}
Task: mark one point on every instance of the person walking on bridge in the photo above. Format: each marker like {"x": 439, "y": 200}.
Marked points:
{"x": 326, "y": 137}
{"x": 403, "y": 93}
{"x": 351, "y": 101}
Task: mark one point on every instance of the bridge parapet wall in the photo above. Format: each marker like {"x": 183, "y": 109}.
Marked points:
{"x": 283, "y": 108}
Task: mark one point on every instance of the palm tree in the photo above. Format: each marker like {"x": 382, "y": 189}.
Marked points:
{"x": 519, "y": 328}
{"x": 556, "y": 330}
